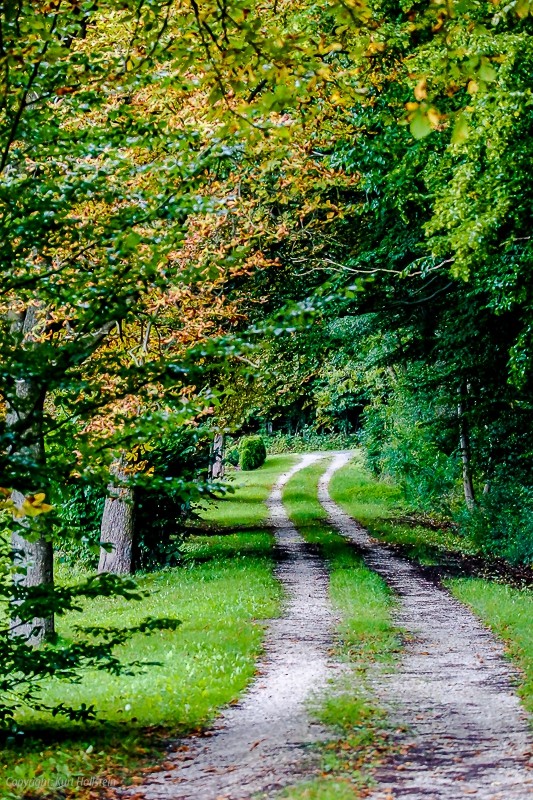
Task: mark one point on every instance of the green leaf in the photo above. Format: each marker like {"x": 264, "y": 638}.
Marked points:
{"x": 487, "y": 72}
{"x": 420, "y": 126}
{"x": 460, "y": 129}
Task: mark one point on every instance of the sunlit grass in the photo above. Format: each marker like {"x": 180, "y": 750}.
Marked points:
{"x": 246, "y": 505}
{"x": 221, "y": 594}
{"x": 376, "y": 504}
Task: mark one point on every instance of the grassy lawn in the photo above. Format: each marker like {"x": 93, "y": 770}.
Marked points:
{"x": 221, "y": 594}
{"x": 365, "y": 635}
{"x": 245, "y": 507}
{"x": 506, "y": 610}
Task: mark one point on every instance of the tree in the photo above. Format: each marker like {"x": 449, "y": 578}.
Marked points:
{"x": 100, "y": 176}
{"x": 424, "y": 205}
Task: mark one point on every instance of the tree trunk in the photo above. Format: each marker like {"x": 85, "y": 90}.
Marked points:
{"x": 117, "y": 529}
{"x": 37, "y": 559}
{"x": 217, "y": 457}
{"x": 24, "y": 420}
{"x": 464, "y": 444}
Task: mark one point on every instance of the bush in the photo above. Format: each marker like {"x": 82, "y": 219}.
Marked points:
{"x": 173, "y": 483}
{"x": 309, "y": 441}
{"x": 166, "y": 502}
{"x": 501, "y": 524}
{"x": 232, "y": 457}
{"x": 252, "y": 452}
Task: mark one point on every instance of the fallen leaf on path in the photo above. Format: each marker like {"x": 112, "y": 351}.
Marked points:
{"x": 255, "y": 744}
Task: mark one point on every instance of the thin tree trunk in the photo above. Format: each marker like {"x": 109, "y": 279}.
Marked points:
{"x": 464, "y": 444}
{"x": 217, "y": 457}
{"x": 117, "y": 528}
{"x": 24, "y": 419}
{"x": 488, "y": 482}
{"x": 36, "y": 558}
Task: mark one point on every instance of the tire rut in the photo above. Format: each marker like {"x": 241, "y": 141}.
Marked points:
{"x": 264, "y": 742}
{"x": 458, "y": 722}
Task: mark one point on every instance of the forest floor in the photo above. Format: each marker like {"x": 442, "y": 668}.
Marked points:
{"x": 345, "y": 668}
{"x": 455, "y": 725}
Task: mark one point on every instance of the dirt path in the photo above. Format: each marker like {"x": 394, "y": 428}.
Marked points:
{"x": 465, "y": 734}
{"x": 262, "y": 744}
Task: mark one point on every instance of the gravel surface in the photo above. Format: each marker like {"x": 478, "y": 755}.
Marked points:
{"x": 457, "y": 720}
{"x": 265, "y": 742}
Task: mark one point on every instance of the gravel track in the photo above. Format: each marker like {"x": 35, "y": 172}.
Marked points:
{"x": 457, "y": 719}
{"x": 264, "y": 743}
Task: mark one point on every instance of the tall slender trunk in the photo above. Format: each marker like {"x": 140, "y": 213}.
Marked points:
{"x": 117, "y": 527}
{"x": 217, "y": 457}
{"x": 36, "y": 560}
{"x": 464, "y": 444}
{"x": 24, "y": 421}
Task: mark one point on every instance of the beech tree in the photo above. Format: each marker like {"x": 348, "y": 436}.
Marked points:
{"x": 114, "y": 118}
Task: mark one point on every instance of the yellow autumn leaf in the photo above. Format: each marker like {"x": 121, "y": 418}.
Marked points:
{"x": 434, "y": 117}
{"x": 421, "y": 90}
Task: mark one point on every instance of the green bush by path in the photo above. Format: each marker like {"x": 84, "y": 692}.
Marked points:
{"x": 221, "y": 594}
{"x": 252, "y": 452}
{"x": 502, "y": 522}
{"x": 309, "y": 441}
{"x": 232, "y": 456}
{"x": 365, "y": 635}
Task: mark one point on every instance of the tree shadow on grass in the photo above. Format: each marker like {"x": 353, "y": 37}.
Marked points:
{"x": 438, "y": 562}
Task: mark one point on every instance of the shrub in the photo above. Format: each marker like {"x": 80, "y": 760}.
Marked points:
{"x": 177, "y": 484}
{"x": 309, "y": 441}
{"x": 176, "y": 481}
{"x": 252, "y": 452}
{"x": 232, "y": 456}
{"x": 501, "y": 524}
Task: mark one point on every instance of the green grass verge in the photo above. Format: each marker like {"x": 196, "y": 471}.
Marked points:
{"x": 506, "y": 610}
{"x": 221, "y": 594}
{"x": 245, "y": 507}
{"x": 376, "y": 503}
{"x": 365, "y": 635}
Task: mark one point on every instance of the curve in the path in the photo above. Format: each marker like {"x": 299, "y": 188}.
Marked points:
{"x": 459, "y": 723}
{"x": 263, "y": 743}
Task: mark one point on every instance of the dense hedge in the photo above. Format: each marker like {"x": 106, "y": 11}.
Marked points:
{"x": 308, "y": 441}
{"x": 232, "y": 456}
